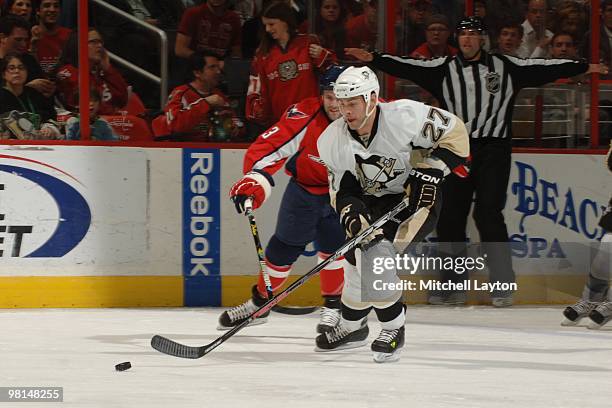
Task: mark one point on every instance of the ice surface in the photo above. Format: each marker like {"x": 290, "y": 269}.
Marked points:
{"x": 454, "y": 357}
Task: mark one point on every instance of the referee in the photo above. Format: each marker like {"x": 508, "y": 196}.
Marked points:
{"x": 480, "y": 88}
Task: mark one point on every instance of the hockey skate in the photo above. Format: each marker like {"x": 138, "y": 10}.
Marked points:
{"x": 340, "y": 338}
{"x": 388, "y": 345}
{"x": 573, "y": 314}
{"x": 330, "y": 314}
{"x": 447, "y": 298}
{"x": 600, "y": 315}
{"x": 237, "y": 314}
{"x": 505, "y": 301}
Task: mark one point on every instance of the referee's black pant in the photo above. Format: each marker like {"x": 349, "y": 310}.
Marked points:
{"x": 487, "y": 183}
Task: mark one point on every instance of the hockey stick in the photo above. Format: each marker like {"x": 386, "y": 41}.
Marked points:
{"x": 248, "y": 210}
{"x": 170, "y": 347}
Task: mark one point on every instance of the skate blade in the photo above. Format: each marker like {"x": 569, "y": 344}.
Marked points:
{"x": 569, "y": 323}
{"x": 347, "y": 346}
{"x": 386, "y": 357}
{"x": 592, "y": 325}
{"x": 255, "y": 322}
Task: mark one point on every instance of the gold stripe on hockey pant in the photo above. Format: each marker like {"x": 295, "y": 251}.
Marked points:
{"x": 408, "y": 229}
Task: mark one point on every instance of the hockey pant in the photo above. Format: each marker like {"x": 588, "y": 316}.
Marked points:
{"x": 368, "y": 283}
{"x": 303, "y": 218}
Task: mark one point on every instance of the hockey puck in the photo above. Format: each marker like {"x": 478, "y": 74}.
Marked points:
{"x": 123, "y": 366}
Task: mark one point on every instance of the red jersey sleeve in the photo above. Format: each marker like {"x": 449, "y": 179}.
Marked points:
{"x": 258, "y": 107}
{"x": 181, "y": 116}
{"x": 68, "y": 85}
{"x": 326, "y": 58}
{"x": 272, "y": 148}
{"x": 117, "y": 87}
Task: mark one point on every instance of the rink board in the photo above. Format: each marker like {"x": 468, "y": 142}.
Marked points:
{"x": 102, "y": 226}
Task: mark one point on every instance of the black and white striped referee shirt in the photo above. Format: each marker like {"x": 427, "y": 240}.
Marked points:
{"x": 480, "y": 92}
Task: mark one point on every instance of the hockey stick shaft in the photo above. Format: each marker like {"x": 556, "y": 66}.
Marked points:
{"x": 248, "y": 210}
{"x": 173, "y": 348}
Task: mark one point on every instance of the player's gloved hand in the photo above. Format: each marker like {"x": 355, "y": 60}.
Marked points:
{"x": 422, "y": 187}
{"x": 254, "y": 185}
{"x": 463, "y": 170}
{"x": 355, "y": 218}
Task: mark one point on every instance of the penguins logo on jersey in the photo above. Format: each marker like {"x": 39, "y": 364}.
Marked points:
{"x": 375, "y": 172}
{"x": 287, "y": 70}
{"x": 492, "y": 82}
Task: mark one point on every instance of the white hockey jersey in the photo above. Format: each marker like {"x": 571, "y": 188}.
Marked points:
{"x": 383, "y": 166}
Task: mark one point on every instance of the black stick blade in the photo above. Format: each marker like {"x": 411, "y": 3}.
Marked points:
{"x": 172, "y": 348}
{"x": 295, "y": 311}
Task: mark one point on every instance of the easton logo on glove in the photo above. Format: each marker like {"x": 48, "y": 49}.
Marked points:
{"x": 428, "y": 178}
{"x": 422, "y": 187}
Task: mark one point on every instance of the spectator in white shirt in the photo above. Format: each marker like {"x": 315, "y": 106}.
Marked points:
{"x": 536, "y": 37}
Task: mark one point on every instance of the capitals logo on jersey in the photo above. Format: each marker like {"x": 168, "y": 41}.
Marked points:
{"x": 294, "y": 113}
{"x": 375, "y": 172}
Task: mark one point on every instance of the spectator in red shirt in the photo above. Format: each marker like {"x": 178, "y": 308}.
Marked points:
{"x": 362, "y": 30}
{"x": 209, "y": 27}
{"x": 48, "y": 38}
{"x": 330, "y": 26}
{"x": 199, "y": 111}
{"x": 103, "y": 76}
{"x": 437, "y": 33}
{"x": 284, "y": 70}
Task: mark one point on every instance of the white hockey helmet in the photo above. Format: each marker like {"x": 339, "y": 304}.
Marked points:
{"x": 356, "y": 81}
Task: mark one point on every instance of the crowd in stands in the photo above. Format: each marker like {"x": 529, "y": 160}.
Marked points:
{"x": 236, "y": 65}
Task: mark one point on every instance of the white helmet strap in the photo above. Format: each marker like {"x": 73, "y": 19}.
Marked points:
{"x": 368, "y": 101}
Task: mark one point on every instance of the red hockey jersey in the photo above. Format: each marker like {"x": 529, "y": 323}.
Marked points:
{"x": 283, "y": 77}
{"x": 111, "y": 85}
{"x": 293, "y": 140}
{"x": 187, "y": 115}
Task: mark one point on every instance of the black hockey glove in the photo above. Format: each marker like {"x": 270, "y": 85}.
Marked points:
{"x": 423, "y": 187}
{"x": 355, "y": 217}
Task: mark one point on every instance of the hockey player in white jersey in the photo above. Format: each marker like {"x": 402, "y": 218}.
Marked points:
{"x": 596, "y": 300}
{"x": 367, "y": 154}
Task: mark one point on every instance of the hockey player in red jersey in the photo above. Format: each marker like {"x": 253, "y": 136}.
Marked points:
{"x": 285, "y": 67}
{"x": 305, "y": 214}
